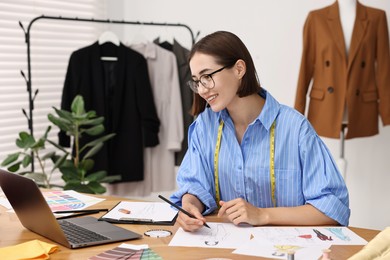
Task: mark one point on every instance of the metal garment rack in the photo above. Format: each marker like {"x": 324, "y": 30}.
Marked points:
{"x": 32, "y": 96}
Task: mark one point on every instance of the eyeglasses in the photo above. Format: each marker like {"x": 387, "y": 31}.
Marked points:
{"x": 206, "y": 80}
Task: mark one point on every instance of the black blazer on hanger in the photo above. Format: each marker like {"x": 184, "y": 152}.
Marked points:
{"x": 121, "y": 92}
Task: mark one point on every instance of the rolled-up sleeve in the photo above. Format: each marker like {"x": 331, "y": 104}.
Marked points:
{"x": 323, "y": 186}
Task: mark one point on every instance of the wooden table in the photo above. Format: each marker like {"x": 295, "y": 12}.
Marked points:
{"x": 12, "y": 233}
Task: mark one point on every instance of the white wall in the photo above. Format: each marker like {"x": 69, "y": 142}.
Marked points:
{"x": 272, "y": 30}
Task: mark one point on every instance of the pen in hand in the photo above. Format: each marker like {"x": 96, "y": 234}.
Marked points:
{"x": 180, "y": 209}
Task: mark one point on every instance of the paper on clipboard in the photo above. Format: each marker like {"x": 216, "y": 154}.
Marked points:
{"x": 141, "y": 212}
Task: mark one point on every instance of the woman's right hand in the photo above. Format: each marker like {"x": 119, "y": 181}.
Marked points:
{"x": 192, "y": 205}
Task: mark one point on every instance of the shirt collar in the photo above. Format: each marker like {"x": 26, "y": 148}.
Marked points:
{"x": 270, "y": 110}
{"x": 268, "y": 113}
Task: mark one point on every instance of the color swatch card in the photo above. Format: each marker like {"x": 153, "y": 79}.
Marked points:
{"x": 69, "y": 200}
{"x": 127, "y": 251}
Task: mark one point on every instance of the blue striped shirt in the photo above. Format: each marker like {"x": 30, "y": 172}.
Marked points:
{"x": 305, "y": 171}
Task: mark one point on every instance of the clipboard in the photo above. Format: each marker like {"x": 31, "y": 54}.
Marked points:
{"x": 150, "y": 213}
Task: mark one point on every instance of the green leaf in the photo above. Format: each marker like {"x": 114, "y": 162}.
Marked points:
{"x": 93, "y": 151}
{"x": 87, "y": 164}
{"x": 26, "y": 160}
{"x": 78, "y": 187}
{"x": 63, "y": 124}
{"x": 15, "y": 167}
{"x": 96, "y": 187}
{"x": 91, "y": 114}
{"x": 69, "y": 164}
{"x": 79, "y": 118}
{"x": 64, "y": 114}
{"x": 111, "y": 178}
{"x": 95, "y": 121}
{"x": 96, "y": 141}
{"x": 96, "y": 130}
{"x": 40, "y": 144}
{"x": 77, "y": 106}
{"x": 46, "y": 132}
{"x": 96, "y": 176}
{"x": 69, "y": 172}
{"x": 25, "y": 140}
{"x": 10, "y": 159}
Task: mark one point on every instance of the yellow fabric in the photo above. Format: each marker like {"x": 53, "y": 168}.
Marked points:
{"x": 376, "y": 249}
{"x": 33, "y": 249}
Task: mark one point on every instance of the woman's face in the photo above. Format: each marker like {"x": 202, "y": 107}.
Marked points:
{"x": 226, "y": 81}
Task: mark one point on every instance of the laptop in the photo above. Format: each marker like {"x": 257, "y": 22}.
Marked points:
{"x": 35, "y": 214}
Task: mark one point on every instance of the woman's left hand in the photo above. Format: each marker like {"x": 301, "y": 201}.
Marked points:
{"x": 239, "y": 211}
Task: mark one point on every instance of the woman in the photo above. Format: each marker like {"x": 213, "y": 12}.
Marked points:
{"x": 261, "y": 162}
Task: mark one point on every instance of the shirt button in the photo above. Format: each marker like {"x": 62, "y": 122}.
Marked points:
{"x": 240, "y": 167}
{"x": 330, "y": 90}
{"x": 357, "y": 92}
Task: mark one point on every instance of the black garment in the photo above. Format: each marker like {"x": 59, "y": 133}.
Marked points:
{"x": 121, "y": 92}
{"x": 181, "y": 54}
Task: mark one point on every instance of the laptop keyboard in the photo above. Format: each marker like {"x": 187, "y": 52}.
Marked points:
{"x": 77, "y": 234}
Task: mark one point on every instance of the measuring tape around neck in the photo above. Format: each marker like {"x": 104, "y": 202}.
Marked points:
{"x": 271, "y": 163}
{"x": 216, "y": 158}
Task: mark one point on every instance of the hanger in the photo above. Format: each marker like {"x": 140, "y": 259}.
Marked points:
{"x": 110, "y": 37}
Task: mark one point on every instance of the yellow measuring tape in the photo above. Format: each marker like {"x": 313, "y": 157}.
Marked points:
{"x": 216, "y": 156}
{"x": 271, "y": 163}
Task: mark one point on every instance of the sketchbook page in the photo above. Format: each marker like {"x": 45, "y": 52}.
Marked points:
{"x": 142, "y": 211}
{"x": 219, "y": 235}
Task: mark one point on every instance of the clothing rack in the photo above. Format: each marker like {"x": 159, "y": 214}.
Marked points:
{"x": 32, "y": 96}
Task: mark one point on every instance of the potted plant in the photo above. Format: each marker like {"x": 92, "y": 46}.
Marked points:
{"x": 75, "y": 167}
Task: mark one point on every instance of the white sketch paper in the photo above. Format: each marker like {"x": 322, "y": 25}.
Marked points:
{"x": 307, "y": 236}
{"x": 306, "y": 242}
{"x": 142, "y": 211}
{"x": 219, "y": 235}
{"x": 254, "y": 248}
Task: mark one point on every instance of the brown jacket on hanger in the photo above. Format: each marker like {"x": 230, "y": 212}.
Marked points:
{"x": 360, "y": 81}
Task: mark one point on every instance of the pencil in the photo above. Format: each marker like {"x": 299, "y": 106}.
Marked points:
{"x": 79, "y": 211}
{"x": 180, "y": 209}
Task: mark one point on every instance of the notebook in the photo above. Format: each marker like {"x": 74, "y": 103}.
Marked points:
{"x": 35, "y": 214}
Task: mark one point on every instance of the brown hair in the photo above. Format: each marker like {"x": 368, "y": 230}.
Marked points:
{"x": 226, "y": 48}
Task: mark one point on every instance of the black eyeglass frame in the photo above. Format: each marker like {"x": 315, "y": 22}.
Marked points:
{"x": 192, "y": 83}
